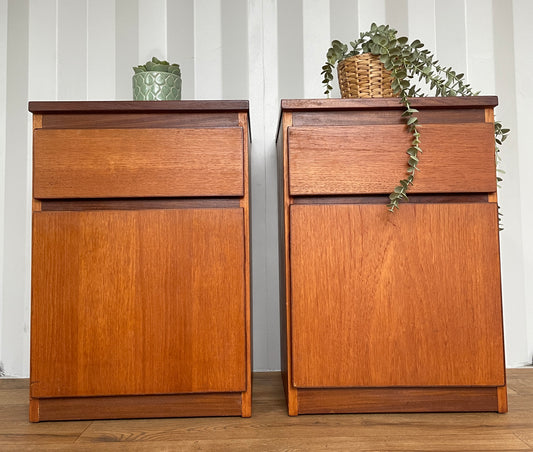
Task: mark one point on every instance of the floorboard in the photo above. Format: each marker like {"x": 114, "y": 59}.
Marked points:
{"x": 270, "y": 429}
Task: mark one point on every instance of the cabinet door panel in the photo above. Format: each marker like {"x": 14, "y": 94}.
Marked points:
{"x": 138, "y": 302}
{"x": 404, "y": 299}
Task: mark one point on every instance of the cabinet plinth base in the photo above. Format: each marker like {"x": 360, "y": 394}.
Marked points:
{"x": 131, "y": 407}
{"x": 401, "y": 400}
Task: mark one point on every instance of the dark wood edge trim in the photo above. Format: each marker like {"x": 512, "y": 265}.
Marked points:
{"x": 132, "y": 407}
{"x": 293, "y": 105}
{"x": 391, "y": 102}
{"x": 137, "y": 204}
{"x": 137, "y": 106}
{"x": 398, "y": 400}
{"x": 440, "y": 198}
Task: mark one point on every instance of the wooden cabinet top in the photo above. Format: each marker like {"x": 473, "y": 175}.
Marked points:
{"x": 139, "y": 114}
{"x": 388, "y": 103}
{"x": 179, "y": 106}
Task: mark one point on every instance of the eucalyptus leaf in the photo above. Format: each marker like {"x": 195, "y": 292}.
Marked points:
{"x": 407, "y": 62}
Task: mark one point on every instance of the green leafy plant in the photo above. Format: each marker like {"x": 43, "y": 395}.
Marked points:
{"x": 409, "y": 63}
{"x": 159, "y": 66}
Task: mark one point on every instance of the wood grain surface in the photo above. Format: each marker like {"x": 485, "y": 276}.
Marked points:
{"x": 97, "y": 163}
{"x": 389, "y": 116}
{"x": 410, "y": 299}
{"x": 132, "y": 120}
{"x": 137, "y": 406}
{"x": 340, "y": 160}
{"x": 398, "y": 400}
{"x": 270, "y": 429}
{"x": 138, "y": 302}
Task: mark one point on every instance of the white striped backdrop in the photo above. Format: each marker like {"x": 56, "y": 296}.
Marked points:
{"x": 261, "y": 50}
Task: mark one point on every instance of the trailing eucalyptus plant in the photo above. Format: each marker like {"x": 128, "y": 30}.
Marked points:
{"x": 408, "y": 63}
{"x": 159, "y": 66}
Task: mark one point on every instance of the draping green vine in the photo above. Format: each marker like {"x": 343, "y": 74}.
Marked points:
{"x": 409, "y": 63}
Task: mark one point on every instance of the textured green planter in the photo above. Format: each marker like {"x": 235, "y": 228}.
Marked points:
{"x": 153, "y": 85}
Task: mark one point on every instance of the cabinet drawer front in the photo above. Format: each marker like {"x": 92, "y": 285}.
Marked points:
{"x": 371, "y": 306}
{"x": 138, "y": 302}
{"x": 107, "y": 163}
{"x": 456, "y": 158}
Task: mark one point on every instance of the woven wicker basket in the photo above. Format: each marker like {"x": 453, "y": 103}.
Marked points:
{"x": 364, "y": 76}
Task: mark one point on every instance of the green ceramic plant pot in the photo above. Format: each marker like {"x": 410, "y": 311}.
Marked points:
{"x": 153, "y": 85}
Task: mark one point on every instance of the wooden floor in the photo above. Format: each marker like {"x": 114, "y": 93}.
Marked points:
{"x": 270, "y": 429}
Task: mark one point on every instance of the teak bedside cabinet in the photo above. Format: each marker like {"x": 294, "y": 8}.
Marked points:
{"x": 140, "y": 260}
{"x": 389, "y": 312}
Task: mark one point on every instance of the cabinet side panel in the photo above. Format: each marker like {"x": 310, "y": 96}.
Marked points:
{"x": 246, "y": 398}
{"x": 407, "y": 299}
{"x": 284, "y": 265}
{"x": 138, "y": 302}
